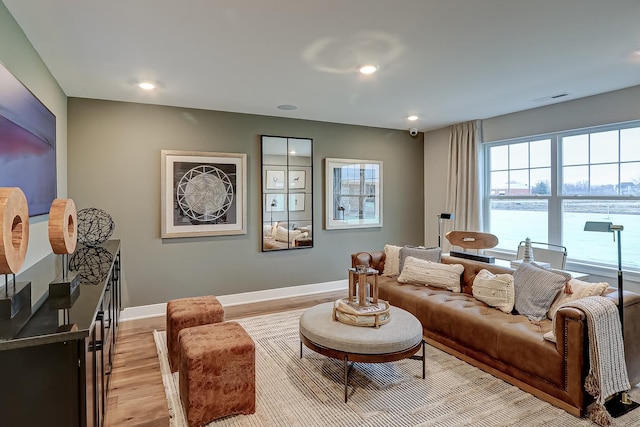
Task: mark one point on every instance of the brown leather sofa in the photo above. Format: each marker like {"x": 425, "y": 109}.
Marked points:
{"x": 508, "y": 346}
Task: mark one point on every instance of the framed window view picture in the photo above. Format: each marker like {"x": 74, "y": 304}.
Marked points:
{"x": 353, "y": 193}
{"x": 203, "y": 193}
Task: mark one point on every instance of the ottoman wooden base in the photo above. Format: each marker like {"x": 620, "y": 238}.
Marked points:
{"x": 217, "y": 372}
{"x": 185, "y": 313}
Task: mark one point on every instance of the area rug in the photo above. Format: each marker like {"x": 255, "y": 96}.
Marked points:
{"x": 291, "y": 391}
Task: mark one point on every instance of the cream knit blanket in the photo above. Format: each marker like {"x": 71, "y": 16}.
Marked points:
{"x": 607, "y": 367}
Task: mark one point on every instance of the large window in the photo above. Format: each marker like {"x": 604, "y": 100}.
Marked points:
{"x": 546, "y": 188}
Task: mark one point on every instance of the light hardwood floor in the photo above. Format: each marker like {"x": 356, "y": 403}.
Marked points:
{"x": 136, "y": 394}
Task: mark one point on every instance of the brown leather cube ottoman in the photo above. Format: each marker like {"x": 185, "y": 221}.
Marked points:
{"x": 217, "y": 372}
{"x": 185, "y": 313}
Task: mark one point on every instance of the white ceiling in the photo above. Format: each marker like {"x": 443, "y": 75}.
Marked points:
{"x": 447, "y": 61}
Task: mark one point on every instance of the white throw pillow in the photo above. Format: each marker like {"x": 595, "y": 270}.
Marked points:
{"x": 391, "y": 260}
{"x": 305, "y": 230}
{"x": 284, "y": 235}
{"x": 423, "y": 272}
{"x": 580, "y": 289}
{"x": 274, "y": 228}
{"x": 302, "y": 235}
{"x": 495, "y": 290}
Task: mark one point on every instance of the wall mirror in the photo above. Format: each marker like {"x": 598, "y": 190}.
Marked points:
{"x": 287, "y": 193}
{"x": 353, "y": 193}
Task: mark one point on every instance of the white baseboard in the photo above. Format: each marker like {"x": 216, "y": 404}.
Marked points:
{"x": 154, "y": 310}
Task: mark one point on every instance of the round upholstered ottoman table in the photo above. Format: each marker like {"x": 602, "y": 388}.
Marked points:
{"x": 401, "y": 338}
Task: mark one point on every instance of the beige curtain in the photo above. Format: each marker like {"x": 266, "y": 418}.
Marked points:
{"x": 463, "y": 180}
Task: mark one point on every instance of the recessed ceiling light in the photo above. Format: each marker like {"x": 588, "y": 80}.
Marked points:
{"x": 292, "y": 152}
{"x": 146, "y": 85}
{"x": 368, "y": 69}
{"x": 412, "y": 118}
{"x": 287, "y": 107}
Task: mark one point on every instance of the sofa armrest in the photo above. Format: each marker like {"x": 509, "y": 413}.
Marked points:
{"x": 631, "y": 332}
{"x": 374, "y": 259}
{"x": 571, "y": 343}
{"x": 571, "y": 338}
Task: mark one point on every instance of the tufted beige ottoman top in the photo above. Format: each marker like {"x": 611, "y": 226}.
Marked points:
{"x": 402, "y": 332}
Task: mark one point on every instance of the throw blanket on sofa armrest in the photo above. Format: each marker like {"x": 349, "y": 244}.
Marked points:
{"x": 607, "y": 367}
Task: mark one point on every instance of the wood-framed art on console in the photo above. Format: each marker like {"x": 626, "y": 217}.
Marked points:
{"x": 353, "y": 193}
{"x": 203, "y": 193}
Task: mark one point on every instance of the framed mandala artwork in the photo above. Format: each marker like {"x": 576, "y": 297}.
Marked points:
{"x": 203, "y": 193}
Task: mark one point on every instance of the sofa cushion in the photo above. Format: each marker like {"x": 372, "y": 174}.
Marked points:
{"x": 427, "y": 254}
{"x": 423, "y": 272}
{"x": 489, "y": 335}
{"x": 536, "y": 288}
{"x": 391, "y": 260}
{"x": 579, "y": 289}
{"x": 495, "y": 290}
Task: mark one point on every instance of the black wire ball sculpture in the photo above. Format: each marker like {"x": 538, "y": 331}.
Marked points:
{"x": 94, "y": 226}
{"x": 92, "y": 264}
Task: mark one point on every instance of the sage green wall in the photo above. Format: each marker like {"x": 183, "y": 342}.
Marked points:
{"x": 21, "y": 59}
{"x": 114, "y": 164}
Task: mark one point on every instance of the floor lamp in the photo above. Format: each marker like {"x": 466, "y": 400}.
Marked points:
{"x": 440, "y": 218}
{"x": 621, "y": 404}
{"x": 274, "y": 203}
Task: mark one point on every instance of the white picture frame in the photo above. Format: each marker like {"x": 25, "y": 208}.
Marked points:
{"x": 296, "y": 202}
{"x": 186, "y": 176}
{"x": 274, "y": 202}
{"x": 297, "y": 179}
{"x": 345, "y": 205}
{"x": 275, "y": 180}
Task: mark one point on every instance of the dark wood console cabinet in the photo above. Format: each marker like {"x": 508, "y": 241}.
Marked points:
{"x": 56, "y": 364}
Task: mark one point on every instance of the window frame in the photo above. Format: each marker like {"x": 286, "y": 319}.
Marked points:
{"x": 556, "y": 198}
